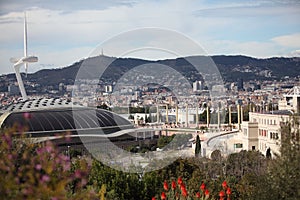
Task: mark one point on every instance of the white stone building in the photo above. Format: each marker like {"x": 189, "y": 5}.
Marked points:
{"x": 262, "y": 131}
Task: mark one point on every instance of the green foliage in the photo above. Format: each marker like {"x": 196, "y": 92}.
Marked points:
{"x": 284, "y": 171}
{"x": 164, "y": 140}
{"x": 137, "y": 110}
{"x": 31, "y": 171}
{"x": 246, "y": 162}
{"x": 119, "y": 185}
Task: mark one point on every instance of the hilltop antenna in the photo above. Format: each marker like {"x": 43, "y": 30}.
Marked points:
{"x": 24, "y": 60}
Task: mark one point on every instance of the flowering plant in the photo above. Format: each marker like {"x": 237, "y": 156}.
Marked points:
{"x": 39, "y": 171}
{"x": 178, "y": 191}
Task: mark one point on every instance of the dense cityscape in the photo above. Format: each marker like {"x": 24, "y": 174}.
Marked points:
{"x": 248, "y": 118}
{"x": 180, "y": 101}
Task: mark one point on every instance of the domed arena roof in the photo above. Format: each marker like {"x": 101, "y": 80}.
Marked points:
{"x": 85, "y": 130}
{"x": 43, "y": 117}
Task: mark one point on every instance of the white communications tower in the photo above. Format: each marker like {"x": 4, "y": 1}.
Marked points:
{"x": 24, "y": 60}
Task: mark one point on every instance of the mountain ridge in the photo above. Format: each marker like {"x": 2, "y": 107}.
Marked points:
{"x": 231, "y": 67}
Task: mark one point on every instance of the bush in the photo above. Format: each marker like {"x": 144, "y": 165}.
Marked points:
{"x": 39, "y": 171}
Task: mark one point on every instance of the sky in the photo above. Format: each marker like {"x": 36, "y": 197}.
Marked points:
{"x": 61, "y": 32}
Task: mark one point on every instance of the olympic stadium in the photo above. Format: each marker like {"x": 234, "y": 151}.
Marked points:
{"x": 70, "y": 125}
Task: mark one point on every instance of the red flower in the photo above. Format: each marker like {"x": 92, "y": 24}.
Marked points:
{"x": 222, "y": 194}
{"x": 179, "y": 181}
{"x": 182, "y": 187}
{"x": 228, "y": 191}
{"x": 166, "y": 187}
{"x": 198, "y": 195}
{"x": 163, "y": 196}
{"x": 224, "y": 184}
{"x": 184, "y": 192}
{"x": 202, "y": 187}
{"x": 206, "y": 193}
{"x": 173, "y": 185}
{"x": 153, "y": 198}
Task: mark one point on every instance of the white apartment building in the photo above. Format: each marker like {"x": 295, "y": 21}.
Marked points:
{"x": 262, "y": 131}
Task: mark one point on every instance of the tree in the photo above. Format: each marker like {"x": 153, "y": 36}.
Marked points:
{"x": 104, "y": 106}
{"x": 284, "y": 171}
{"x": 198, "y": 146}
{"x": 148, "y": 119}
{"x": 268, "y": 153}
{"x": 216, "y": 155}
{"x": 131, "y": 117}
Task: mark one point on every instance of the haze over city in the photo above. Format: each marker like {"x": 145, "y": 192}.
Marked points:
{"x": 61, "y": 33}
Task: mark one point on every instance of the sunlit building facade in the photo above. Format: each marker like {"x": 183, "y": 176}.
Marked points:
{"x": 263, "y": 130}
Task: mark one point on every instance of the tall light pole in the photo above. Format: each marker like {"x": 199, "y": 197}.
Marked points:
{"x": 176, "y": 114}
{"x": 229, "y": 117}
{"x": 187, "y": 115}
{"x": 197, "y": 116}
{"x": 207, "y": 116}
{"x": 242, "y": 114}
{"x": 157, "y": 113}
{"x": 239, "y": 116}
{"x": 167, "y": 114}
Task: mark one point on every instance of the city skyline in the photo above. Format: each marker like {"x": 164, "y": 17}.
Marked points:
{"x": 61, "y": 34}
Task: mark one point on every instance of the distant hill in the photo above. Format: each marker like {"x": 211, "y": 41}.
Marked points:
{"x": 247, "y": 68}
{"x": 231, "y": 68}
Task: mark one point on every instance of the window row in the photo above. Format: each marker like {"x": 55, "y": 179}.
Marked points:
{"x": 262, "y": 132}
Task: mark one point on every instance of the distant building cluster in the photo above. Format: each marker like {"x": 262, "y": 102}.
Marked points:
{"x": 256, "y": 108}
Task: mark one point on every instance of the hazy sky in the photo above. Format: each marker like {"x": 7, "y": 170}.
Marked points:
{"x": 61, "y": 32}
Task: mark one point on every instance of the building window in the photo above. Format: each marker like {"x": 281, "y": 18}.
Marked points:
{"x": 271, "y": 135}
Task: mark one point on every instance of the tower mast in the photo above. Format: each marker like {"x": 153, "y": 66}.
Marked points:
{"x": 24, "y": 60}
{"x": 25, "y": 41}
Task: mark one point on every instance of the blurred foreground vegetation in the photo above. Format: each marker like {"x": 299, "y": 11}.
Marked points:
{"x": 39, "y": 171}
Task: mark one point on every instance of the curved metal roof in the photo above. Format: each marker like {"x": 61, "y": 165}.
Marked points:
{"x": 39, "y": 103}
{"x": 61, "y": 118}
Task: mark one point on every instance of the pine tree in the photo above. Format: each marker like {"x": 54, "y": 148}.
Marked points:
{"x": 284, "y": 173}
{"x": 198, "y": 146}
